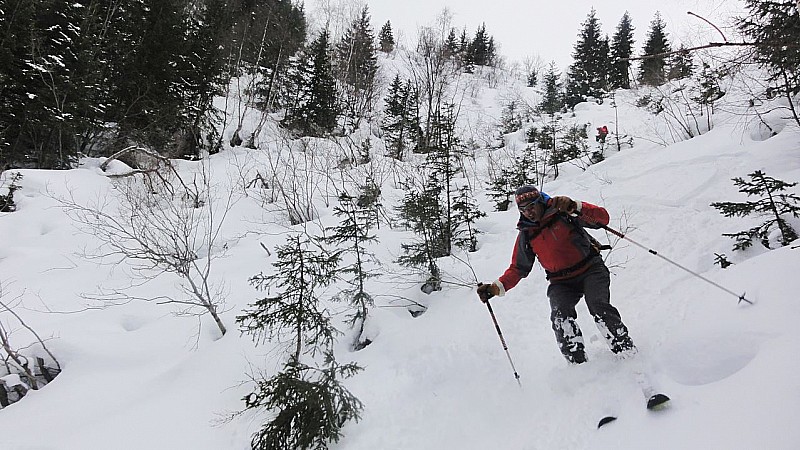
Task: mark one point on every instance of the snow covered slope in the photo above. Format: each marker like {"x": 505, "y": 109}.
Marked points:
{"x": 137, "y": 377}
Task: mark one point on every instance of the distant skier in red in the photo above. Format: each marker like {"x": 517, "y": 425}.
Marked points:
{"x": 552, "y": 229}
{"x": 602, "y": 132}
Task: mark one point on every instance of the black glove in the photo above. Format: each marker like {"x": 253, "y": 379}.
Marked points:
{"x": 487, "y": 291}
{"x": 565, "y": 204}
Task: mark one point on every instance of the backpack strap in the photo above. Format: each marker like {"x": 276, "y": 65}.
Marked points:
{"x": 595, "y": 244}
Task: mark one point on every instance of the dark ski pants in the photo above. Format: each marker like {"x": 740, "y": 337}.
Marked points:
{"x": 564, "y": 296}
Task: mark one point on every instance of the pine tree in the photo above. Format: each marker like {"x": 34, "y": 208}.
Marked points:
{"x": 553, "y": 96}
{"x": 465, "y": 214}
{"x": 451, "y": 44}
{"x": 144, "y": 78}
{"x": 39, "y": 103}
{"x": 511, "y": 118}
{"x": 445, "y": 162}
{"x": 573, "y": 143}
{"x": 263, "y": 34}
{"x": 773, "y": 203}
{"x": 386, "y": 38}
{"x": 532, "y": 78}
{"x": 774, "y": 27}
{"x": 314, "y": 109}
{"x": 709, "y": 92}
{"x": 369, "y": 199}
{"x": 520, "y": 172}
{"x": 357, "y": 62}
{"x": 266, "y": 34}
{"x": 321, "y": 110}
{"x": 400, "y": 123}
{"x": 481, "y": 50}
{"x": 652, "y": 70}
{"x": 421, "y": 211}
{"x": 465, "y": 55}
{"x": 203, "y": 78}
{"x": 619, "y": 75}
{"x": 588, "y": 74}
{"x": 353, "y": 234}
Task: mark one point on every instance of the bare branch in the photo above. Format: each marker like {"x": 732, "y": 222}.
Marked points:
{"x": 709, "y": 22}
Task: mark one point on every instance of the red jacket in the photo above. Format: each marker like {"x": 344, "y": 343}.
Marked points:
{"x": 563, "y": 248}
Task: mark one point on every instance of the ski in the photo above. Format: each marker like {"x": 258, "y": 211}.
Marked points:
{"x": 655, "y": 401}
{"x": 605, "y": 420}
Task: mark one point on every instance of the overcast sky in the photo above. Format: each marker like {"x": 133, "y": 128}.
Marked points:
{"x": 549, "y": 29}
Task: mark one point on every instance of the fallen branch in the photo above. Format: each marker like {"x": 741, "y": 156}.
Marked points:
{"x": 125, "y": 151}
{"x": 722, "y": 44}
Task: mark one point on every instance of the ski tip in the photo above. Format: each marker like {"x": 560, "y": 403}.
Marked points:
{"x": 657, "y": 402}
{"x": 606, "y": 420}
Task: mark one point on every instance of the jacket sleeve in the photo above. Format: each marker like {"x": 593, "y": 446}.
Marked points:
{"x": 521, "y": 264}
{"x": 592, "y": 216}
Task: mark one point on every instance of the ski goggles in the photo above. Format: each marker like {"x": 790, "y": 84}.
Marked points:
{"x": 528, "y": 200}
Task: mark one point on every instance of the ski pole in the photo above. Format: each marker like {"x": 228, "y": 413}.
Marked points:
{"x": 653, "y": 252}
{"x": 503, "y": 341}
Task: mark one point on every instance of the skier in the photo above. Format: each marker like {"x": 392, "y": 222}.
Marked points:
{"x": 602, "y": 132}
{"x": 553, "y": 230}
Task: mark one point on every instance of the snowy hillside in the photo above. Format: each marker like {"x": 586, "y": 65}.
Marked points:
{"x": 138, "y": 376}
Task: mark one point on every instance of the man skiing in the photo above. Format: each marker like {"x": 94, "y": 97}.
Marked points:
{"x": 552, "y": 229}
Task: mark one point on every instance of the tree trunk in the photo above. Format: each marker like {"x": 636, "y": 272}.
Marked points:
{"x": 3, "y": 395}
{"x": 44, "y": 370}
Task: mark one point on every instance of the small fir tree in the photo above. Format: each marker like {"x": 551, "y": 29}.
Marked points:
{"x": 309, "y": 405}
{"x": 465, "y": 214}
{"x": 681, "y": 65}
{"x": 553, "y": 96}
{"x": 294, "y": 315}
{"x": 520, "y": 172}
{"x": 773, "y": 203}
{"x": 511, "y": 118}
{"x": 573, "y": 143}
{"x": 353, "y": 237}
{"x": 722, "y": 260}
{"x": 7, "y": 203}
{"x": 400, "y": 122}
{"x": 369, "y": 199}
{"x": 444, "y": 162}
{"x": 532, "y": 78}
{"x": 709, "y": 92}
{"x": 421, "y": 212}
